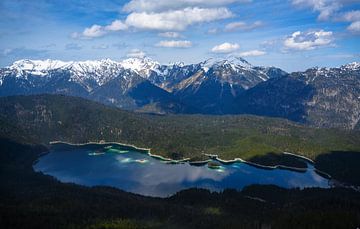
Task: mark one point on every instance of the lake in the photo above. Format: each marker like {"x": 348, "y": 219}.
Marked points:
{"x": 137, "y": 172}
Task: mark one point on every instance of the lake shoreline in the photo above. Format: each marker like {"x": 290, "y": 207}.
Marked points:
{"x": 194, "y": 163}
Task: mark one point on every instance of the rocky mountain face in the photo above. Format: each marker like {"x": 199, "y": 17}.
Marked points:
{"x": 163, "y": 76}
{"x": 139, "y": 84}
{"x": 336, "y": 100}
{"x": 214, "y": 87}
{"x": 105, "y": 81}
{"x": 322, "y": 97}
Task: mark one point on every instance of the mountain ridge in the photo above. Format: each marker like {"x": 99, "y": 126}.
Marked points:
{"x": 318, "y": 96}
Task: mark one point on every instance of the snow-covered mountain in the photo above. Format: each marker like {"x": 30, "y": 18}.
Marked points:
{"x": 99, "y": 71}
{"x": 216, "y": 84}
{"x": 106, "y": 81}
{"x": 114, "y": 82}
{"x": 318, "y": 96}
{"x": 233, "y": 70}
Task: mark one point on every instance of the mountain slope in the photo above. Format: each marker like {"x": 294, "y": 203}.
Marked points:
{"x": 140, "y": 83}
{"x": 164, "y": 76}
{"x": 105, "y": 81}
{"x": 54, "y": 117}
{"x": 215, "y": 86}
{"x": 321, "y": 97}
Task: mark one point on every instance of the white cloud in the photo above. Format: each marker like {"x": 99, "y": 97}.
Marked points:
{"x": 164, "y": 15}
{"x": 165, "y": 5}
{"x": 354, "y": 27}
{"x": 116, "y": 25}
{"x": 331, "y": 9}
{"x": 240, "y": 25}
{"x": 225, "y": 48}
{"x": 252, "y": 53}
{"x": 94, "y": 31}
{"x": 175, "y": 44}
{"x": 354, "y": 18}
{"x": 99, "y": 31}
{"x": 308, "y": 40}
{"x": 326, "y": 8}
{"x": 176, "y": 20}
{"x": 170, "y": 35}
{"x": 136, "y": 53}
{"x": 351, "y": 16}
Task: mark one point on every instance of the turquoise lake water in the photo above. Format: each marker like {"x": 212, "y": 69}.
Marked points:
{"x": 136, "y": 172}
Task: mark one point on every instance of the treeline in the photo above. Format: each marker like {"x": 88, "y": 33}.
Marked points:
{"x": 54, "y": 117}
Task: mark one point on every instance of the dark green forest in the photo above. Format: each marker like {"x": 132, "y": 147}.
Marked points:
{"x": 54, "y": 117}
{"x": 34, "y": 200}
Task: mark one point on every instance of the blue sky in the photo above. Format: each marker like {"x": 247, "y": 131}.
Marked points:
{"x": 291, "y": 34}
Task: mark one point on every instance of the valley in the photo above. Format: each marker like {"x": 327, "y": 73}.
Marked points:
{"x": 41, "y": 119}
{"x": 261, "y": 188}
{"x": 60, "y": 118}
{"x": 180, "y": 114}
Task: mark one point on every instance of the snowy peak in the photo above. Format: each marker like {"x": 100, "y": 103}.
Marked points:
{"x": 142, "y": 66}
{"x": 99, "y": 71}
{"x": 354, "y": 66}
{"x": 233, "y": 62}
{"x": 93, "y": 73}
{"x": 43, "y": 66}
{"x": 37, "y": 67}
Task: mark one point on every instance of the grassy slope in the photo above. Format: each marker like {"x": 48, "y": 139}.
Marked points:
{"x": 54, "y": 117}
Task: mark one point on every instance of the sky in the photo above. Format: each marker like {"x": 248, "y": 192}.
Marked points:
{"x": 291, "y": 34}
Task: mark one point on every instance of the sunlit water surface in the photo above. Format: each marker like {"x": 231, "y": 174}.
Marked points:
{"x": 136, "y": 172}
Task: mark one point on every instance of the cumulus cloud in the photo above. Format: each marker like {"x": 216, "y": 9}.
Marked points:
{"x": 331, "y": 9}
{"x": 326, "y": 8}
{"x": 252, "y": 53}
{"x": 240, "y": 25}
{"x": 354, "y": 27}
{"x": 308, "y": 40}
{"x": 99, "y": 31}
{"x": 136, "y": 53}
{"x": 94, "y": 31}
{"x": 225, "y": 48}
{"x": 354, "y": 18}
{"x": 170, "y": 35}
{"x": 176, "y": 20}
{"x": 164, "y": 15}
{"x": 116, "y": 25}
{"x": 165, "y": 5}
{"x": 175, "y": 44}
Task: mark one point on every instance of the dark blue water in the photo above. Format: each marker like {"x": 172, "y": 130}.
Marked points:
{"x": 139, "y": 173}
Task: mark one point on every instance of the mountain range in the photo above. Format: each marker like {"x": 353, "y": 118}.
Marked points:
{"x": 320, "y": 97}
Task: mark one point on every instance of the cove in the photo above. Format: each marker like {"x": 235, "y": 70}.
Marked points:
{"x": 137, "y": 172}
